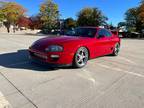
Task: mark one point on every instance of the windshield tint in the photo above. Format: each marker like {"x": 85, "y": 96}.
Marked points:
{"x": 83, "y": 32}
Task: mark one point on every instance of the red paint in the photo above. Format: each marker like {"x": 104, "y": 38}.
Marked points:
{"x": 96, "y": 47}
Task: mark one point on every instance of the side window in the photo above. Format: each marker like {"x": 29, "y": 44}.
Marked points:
{"x": 104, "y": 32}
{"x": 107, "y": 33}
{"x": 101, "y": 33}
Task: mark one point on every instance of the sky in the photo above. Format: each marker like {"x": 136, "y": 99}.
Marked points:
{"x": 113, "y": 9}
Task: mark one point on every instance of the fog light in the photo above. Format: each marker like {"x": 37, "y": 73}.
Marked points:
{"x": 54, "y": 56}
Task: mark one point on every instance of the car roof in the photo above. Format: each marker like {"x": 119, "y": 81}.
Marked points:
{"x": 91, "y": 27}
{"x": 88, "y": 27}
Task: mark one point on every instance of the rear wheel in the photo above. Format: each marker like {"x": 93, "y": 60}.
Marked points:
{"x": 116, "y": 49}
{"x": 81, "y": 57}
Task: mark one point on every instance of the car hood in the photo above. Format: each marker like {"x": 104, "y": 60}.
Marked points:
{"x": 61, "y": 40}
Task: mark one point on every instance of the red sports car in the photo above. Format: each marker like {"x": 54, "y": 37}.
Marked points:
{"x": 76, "y": 47}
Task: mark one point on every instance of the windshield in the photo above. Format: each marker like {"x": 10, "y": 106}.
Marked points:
{"x": 83, "y": 32}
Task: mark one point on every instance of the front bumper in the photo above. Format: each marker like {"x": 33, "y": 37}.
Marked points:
{"x": 50, "y": 65}
{"x": 52, "y": 58}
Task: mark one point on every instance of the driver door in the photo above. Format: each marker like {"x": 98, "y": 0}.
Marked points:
{"x": 102, "y": 43}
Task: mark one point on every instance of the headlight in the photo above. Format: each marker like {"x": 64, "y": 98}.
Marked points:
{"x": 54, "y": 48}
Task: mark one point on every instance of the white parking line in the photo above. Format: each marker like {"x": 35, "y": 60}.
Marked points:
{"x": 128, "y": 60}
{"x": 118, "y": 69}
{"x": 3, "y": 102}
{"x": 88, "y": 76}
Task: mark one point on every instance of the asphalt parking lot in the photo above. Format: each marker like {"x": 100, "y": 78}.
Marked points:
{"x": 106, "y": 82}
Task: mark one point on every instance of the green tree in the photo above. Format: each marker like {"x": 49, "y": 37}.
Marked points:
{"x": 121, "y": 24}
{"x": 1, "y": 13}
{"x": 141, "y": 13}
{"x": 133, "y": 22}
{"x": 135, "y": 18}
{"x": 91, "y": 17}
{"x": 11, "y": 12}
{"x": 49, "y": 15}
{"x": 1, "y": 16}
{"x": 69, "y": 23}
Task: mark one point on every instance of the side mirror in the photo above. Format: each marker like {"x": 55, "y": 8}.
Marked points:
{"x": 100, "y": 36}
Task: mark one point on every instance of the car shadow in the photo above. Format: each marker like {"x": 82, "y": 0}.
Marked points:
{"x": 20, "y": 60}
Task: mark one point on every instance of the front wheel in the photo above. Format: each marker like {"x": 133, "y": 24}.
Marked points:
{"x": 81, "y": 57}
{"x": 116, "y": 49}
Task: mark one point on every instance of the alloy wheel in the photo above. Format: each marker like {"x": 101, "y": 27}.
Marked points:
{"x": 81, "y": 57}
{"x": 116, "y": 49}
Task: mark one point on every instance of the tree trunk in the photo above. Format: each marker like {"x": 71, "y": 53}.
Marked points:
{"x": 7, "y": 25}
{"x": 8, "y": 29}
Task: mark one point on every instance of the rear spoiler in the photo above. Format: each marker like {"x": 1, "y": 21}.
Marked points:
{"x": 114, "y": 32}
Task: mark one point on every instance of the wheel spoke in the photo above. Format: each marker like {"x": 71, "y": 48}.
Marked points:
{"x": 78, "y": 55}
{"x": 79, "y": 60}
{"x": 82, "y": 57}
{"x": 116, "y": 49}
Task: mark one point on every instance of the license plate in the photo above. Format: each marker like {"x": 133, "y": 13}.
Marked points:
{"x": 40, "y": 55}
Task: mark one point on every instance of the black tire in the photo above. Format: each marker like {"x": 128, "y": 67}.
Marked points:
{"x": 116, "y": 49}
{"x": 81, "y": 57}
